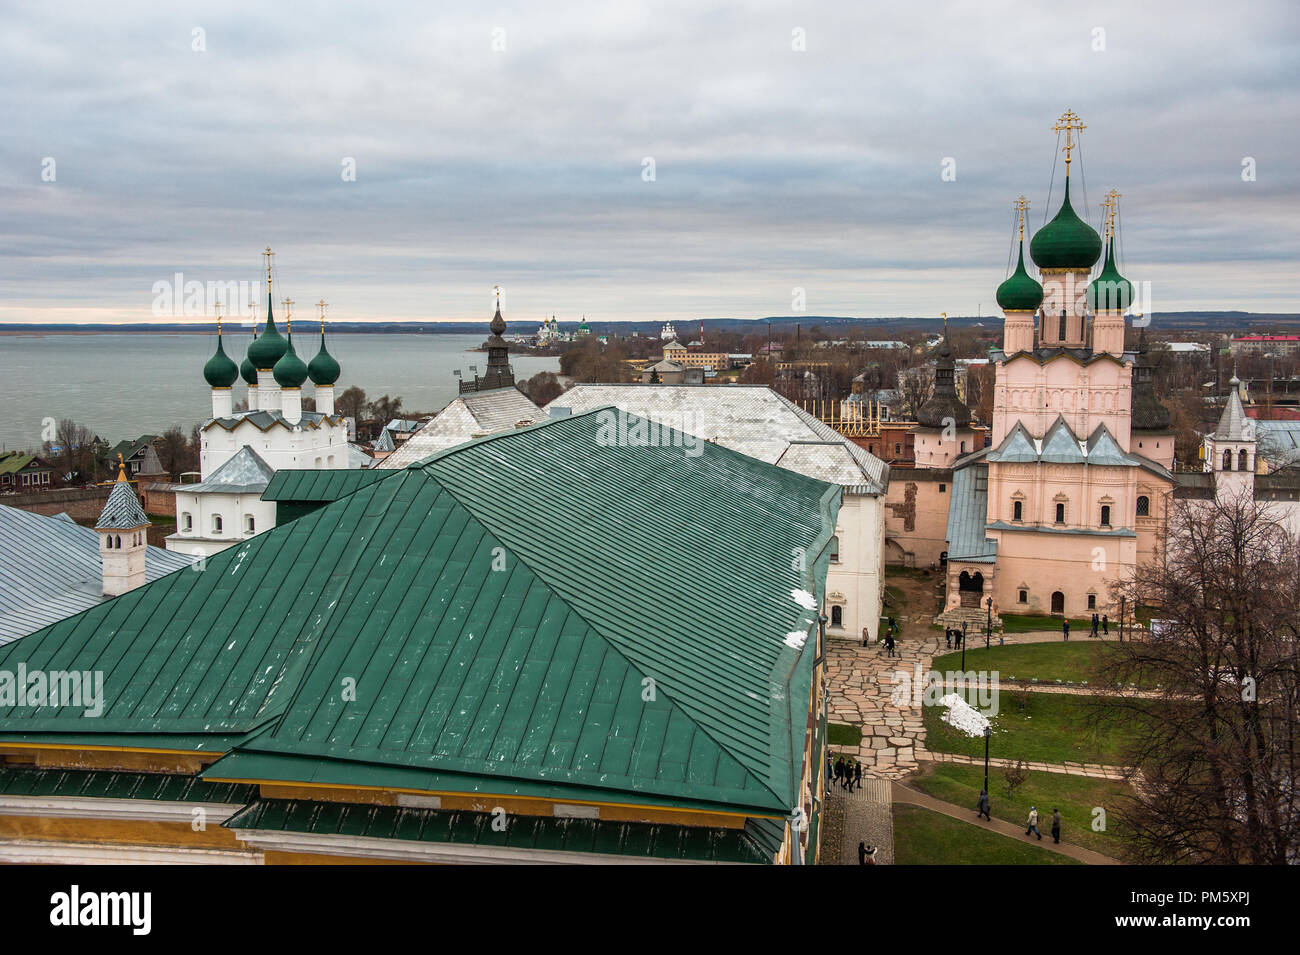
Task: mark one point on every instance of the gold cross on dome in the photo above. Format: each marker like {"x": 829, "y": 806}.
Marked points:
{"x": 321, "y": 306}
{"x": 497, "y": 289}
{"x": 1022, "y": 208}
{"x": 268, "y": 253}
{"x": 1070, "y": 123}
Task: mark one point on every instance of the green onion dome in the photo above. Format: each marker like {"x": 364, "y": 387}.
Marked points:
{"x": 1067, "y": 242}
{"x": 1020, "y": 293}
{"x": 290, "y": 371}
{"x": 220, "y": 371}
{"x": 246, "y": 369}
{"x": 1110, "y": 291}
{"x": 323, "y": 369}
{"x": 270, "y": 346}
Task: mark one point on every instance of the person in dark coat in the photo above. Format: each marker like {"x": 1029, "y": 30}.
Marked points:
{"x": 839, "y": 767}
{"x": 1065, "y": 629}
{"x": 984, "y": 806}
{"x": 1105, "y": 624}
{"x": 1096, "y": 624}
{"x": 1056, "y": 825}
{"x": 947, "y": 635}
{"x": 857, "y": 775}
{"x": 862, "y": 853}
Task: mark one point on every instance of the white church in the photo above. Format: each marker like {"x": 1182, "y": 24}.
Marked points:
{"x": 241, "y": 450}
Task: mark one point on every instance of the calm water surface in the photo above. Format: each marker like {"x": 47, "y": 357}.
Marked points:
{"x": 124, "y": 385}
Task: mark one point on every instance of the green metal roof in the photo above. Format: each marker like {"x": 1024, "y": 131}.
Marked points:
{"x": 755, "y": 843}
{"x": 320, "y": 485}
{"x": 534, "y": 672}
{"x": 18, "y": 781}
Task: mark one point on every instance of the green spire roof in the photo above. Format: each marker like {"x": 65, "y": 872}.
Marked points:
{"x": 270, "y": 346}
{"x": 1067, "y": 242}
{"x": 323, "y": 369}
{"x": 220, "y": 371}
{"x": 290, "y": 371}
{"x": 1020, "y": 292}
{"x": 1110, "y": 291}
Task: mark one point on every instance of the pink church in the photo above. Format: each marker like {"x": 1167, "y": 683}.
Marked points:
{"x": 1070, "y": 496}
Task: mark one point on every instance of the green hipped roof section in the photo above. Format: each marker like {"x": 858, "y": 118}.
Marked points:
{"x": 757, "y": 843}
{"x": 1067, "y": 242}
{"x": 320, "y": 485}
{"x": 535, "y": 672}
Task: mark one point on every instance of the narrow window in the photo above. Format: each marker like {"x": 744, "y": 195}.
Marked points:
{"x": 1016, "y": 511}
{"x": 835, "y": 550}
{"x": 216, "y": 523}
{"x": 1105, "y": 515}
{"x": 1060, "y": 513}
{"x": 1062, "y": 335}
{"x": 1092, "y": 601}
{"x": 1227, "y": 460}
{"x": 837, "y": 616}
{"x": 1143, "y": 506}
{"x": 943, "y": 488}
{"x": 1242, "y": 460}
{"x": 1024, "y": 596}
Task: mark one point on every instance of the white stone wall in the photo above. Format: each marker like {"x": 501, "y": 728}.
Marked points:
{"x": 201, "y": 538}
{"x": 856, "y": 582}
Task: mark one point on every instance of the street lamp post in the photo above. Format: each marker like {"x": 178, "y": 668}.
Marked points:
{"x": 988, "y": 732}
{"x": 1121, "y": 618}
{"x": 963, "y": 646}
{"x": 988, "y": 625}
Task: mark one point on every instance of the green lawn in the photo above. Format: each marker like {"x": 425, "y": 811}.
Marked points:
{"x": 1046, "y": 662}
{"x": 841, "y": 734}
{"x": 1076, "y": 796}
{"x": 922, "y": 837}
{"x": 1053, "y": 728}
{"x": 1025, "y": 623}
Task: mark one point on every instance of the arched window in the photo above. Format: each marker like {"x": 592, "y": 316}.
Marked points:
{"x": 1016, "y": 510}
{"x": 249, "y": 526}
{"x": 117, "y": 541}
{"x": 837, "y": 616}
{"x": 1227, "y": 460}
{"x": 1144, "y": 506}
{"x": 1060, "y": 513}
{"x": 1105, "y": 515}
{"x": 187, "y": 522}
{"x": 1242, "y": 460}
{"x": 216, "y": 523}
{"x": 108, "y": 541}
{"x": 835, "y": 550}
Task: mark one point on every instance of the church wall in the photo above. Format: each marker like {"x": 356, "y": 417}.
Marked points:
{"x": 1034, "y": 394}
{"x": 1154, "y": 446}
{"x": 277, "y": 446}
{"x": 1076, "y": 566}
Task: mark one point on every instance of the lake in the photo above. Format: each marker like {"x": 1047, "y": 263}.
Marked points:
{"x": 124, "y": 385}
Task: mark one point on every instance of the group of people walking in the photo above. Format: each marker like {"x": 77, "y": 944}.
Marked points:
{"x": 847, "y": 772}
{"x": 954, "y": 636}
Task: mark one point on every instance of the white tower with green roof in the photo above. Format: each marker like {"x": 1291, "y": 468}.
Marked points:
{"x": 122, "y": 539}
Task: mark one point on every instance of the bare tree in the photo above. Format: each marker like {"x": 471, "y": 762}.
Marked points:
{"x": 916, "y": 387}
{"x": 1215, "y": 742}
{"x": 542, "y": 388}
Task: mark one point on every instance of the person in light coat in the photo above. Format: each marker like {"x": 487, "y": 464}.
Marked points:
{"x": 1033, "y": 822}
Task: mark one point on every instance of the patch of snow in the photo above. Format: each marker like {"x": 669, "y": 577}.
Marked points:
{"x": 804, "y": 599}
{"x": 961, "y": 715}
{"x": 795, "y": 639}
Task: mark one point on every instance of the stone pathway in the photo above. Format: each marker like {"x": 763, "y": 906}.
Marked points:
{"x": 866, "y": 815}
{"x": 913, "y": 797}
{"x": 1093, "y": 770}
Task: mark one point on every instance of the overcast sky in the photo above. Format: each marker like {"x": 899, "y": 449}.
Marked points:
{"x": 774, "y": 168}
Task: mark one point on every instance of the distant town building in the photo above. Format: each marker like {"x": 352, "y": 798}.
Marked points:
{"x": 24, "y": 472}
{"x": 1265, "y": 344}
